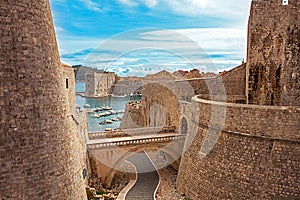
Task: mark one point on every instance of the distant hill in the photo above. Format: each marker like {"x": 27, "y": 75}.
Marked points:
{"x": 81, "y": 70}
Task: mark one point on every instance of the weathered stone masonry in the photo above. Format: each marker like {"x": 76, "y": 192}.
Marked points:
{"x": 40, "y": 152}
{"x": 235, "y": 150}
{"x": 273, "y": 60}
{"x": 254, "y": 152}
{"x": 256, "y": 155}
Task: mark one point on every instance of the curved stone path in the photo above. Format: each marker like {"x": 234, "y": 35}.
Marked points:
{"x": 147, "y": 178}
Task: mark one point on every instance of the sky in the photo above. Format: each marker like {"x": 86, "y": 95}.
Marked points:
{"x": 138, "y": 37}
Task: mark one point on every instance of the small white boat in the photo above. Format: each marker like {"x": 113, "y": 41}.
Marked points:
{"x": 115, "y": 119}
{"x": 113, "y": 112}
{"x": 87, "y": 105}
{"x": 105, "y": 114}
{"x": 108, "y": 129}
{"x": 107, "y": 121}
{"x": 95, "y": 115}
{"x": 106, "y": 107}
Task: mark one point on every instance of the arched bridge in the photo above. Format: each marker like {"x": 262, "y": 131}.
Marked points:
{"x": 109, "y": 149}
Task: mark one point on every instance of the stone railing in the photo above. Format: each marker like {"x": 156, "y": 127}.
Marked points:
{"x": 128, "y": 142}
{"x": 131, "y": 132}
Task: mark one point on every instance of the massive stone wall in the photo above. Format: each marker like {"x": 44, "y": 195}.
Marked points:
{"x": 161, "y": 98}
{"x": 40, "y": 151}
{"x": 273, "y": 59}
{"x": 254, "y": 154}
{"x": 251, "y": 151}
{"x": 229, "y": 86}
{"x": 160, "y": 104}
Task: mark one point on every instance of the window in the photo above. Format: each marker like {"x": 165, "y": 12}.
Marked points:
{"x": 285, "y": 2}
{"x": 67, "y": 83}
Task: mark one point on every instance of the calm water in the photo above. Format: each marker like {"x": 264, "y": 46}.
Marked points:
{"x": 117, "y": 103}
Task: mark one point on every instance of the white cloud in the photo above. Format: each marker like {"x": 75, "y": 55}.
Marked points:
{"x": 128, "y": 2}
{"x": 150, "y": 3}
{"x": 209, "y": 39}
{"x": 229, "y": 9}
{"x": 174, "y": 49}
{"x": 218, "y": 8}
{"x": 91, "y": 5}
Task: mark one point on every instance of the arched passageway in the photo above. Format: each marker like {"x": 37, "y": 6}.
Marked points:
{"x": 183, "y": 126}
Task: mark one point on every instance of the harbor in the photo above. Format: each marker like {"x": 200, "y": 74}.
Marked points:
{"x": 104, "y": 113}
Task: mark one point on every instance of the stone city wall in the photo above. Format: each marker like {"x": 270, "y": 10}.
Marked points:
{"x": 160, "y": 103}
{"x": 255, "y": 155}
{"x": 133, "y": 116}
{"x": 40, "y": 154}
{"x": 265, "y": 121}
{"x": 229, "y": 86}
{"x": 69, "y": 80}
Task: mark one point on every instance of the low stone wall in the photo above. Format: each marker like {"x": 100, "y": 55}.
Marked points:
{"x": 253, "y": 155}
{"x": 133, "y": 116}
{"x": 229, "y": 87}
{"x": 280, "y": 122}
{"x": 131, "y": 132}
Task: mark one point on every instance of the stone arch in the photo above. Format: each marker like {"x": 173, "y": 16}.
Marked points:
{"x": 184, "y": 127}
{"x": 170, "y": 151}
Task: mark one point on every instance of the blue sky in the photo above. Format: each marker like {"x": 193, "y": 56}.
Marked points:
{"x": 137, "y": 37}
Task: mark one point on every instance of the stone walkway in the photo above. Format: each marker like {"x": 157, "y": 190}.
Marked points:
{"x": 147, "y": 180}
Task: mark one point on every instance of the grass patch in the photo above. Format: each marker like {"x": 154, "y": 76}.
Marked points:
{"x": 100, "y": 192}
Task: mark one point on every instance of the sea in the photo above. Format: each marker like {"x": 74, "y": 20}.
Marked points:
{"x": 117, "y": 103}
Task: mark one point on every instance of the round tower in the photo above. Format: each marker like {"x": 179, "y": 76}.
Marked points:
{"x": 40, "y": 153}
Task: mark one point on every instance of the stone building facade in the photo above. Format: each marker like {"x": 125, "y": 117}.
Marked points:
{"x": 41, "y": 155}
{"x": 99, "y": 84}
{"x": 127, "y": 86}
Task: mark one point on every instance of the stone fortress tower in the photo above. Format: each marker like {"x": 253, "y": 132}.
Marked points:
{"x": 41, "y": 156}
{"x": 254, "y": 153}
{"x": 273, "y": 63}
